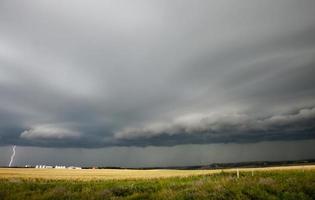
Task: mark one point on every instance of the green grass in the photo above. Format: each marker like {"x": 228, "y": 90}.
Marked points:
{"x": 289, "y": 184}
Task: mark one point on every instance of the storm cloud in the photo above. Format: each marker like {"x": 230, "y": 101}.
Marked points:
{"x": 227, "y": 123}
{"x": 121, "y": 73}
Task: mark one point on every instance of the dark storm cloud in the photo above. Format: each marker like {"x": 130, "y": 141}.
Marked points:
{"x": 150, "y": 156}
{"x": 112, "y": 73}
{"x": 225, "y": 128}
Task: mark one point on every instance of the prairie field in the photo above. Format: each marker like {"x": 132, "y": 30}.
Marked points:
{"x": 294, "y": 182}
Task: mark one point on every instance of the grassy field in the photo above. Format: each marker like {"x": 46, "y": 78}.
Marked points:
{"x": 296, "y": 182}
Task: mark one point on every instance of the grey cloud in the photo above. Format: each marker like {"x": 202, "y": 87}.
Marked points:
{"x": 222, "y": 124}
{"x": 49, "y": 131}
{"x": 150, "y": 72}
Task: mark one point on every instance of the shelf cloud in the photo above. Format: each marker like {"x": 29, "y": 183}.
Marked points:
{"x": 49, "y": 132}
{"x": 163, "y": 73}
{"x": 226, "y": 124}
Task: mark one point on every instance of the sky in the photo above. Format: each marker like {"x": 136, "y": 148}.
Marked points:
{"x": 156, "y": 81}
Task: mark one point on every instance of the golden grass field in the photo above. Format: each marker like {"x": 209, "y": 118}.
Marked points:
{"x": 291, "y": 182}
{"x": 113, "y": 174}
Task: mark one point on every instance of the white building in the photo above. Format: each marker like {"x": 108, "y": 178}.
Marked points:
{"x": 43, "y": 167}
{"x": 60, "y": 167}
{"x": 73, "y": 167}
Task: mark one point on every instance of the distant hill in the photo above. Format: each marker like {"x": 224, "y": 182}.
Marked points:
{"x": 225, "y": 165}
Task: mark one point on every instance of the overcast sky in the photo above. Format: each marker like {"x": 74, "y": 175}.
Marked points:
{"x": 123, "y": 74}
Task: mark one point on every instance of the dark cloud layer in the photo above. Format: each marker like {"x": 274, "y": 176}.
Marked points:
{"x": 117, "y": 73}
{"x": 153, "y": 156}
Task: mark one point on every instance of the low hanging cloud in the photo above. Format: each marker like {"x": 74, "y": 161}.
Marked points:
{"x": 230, "y": 123}
{"x": 49, "y": 132}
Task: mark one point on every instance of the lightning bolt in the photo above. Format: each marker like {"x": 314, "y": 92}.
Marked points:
{"x": 12, "y": 156}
